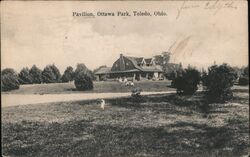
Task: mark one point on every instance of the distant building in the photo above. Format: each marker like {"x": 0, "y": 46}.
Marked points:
{"x": 133, "y": 68}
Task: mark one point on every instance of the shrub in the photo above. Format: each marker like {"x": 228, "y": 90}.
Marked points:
{"x": 9, "y": 80}
{"x": 35, "y": 74}
{"x": 187, "y": 81}
{"x": 218, "y": 82}
{"x": 171, "y": 75}
{"x": 24, "y": 76}
{"x": 136, "y": 94}
{"x": 243, "y": 80}
{"x": 83, "y": 81}
{"x": 68, "y": 74}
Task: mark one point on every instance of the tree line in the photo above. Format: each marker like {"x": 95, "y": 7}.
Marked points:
{"x": 216, "y": 81}
{"x": 10, "y": 79}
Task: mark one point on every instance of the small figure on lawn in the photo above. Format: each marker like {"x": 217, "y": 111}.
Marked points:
{"x": 130, "y": 83}
{"x": 102, "y": 104}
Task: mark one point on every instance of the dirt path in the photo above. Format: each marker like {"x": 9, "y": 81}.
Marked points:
{"x": 24, "y": 99}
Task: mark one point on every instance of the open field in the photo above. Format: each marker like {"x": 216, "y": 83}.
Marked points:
{"x": 159, "y": 125}
{"x": 99, "y": 87}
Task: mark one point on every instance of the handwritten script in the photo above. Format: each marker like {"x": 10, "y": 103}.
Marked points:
{"x": 214, "y": 6}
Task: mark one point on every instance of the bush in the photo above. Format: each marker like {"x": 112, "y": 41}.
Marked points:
{"x": 24, "y": 76}
{"x": 243, "y": 80}
{"x": 187, "y": 81}
{"x": 35, "y": 74}
{"x": 9, "y": 80}
{"x": 136, "y": 94}
{"x": 171, "y": 75}
{"x": 68, "y": 74}
{"x": 83, "y": 81}
{"x": 218, "y": 82}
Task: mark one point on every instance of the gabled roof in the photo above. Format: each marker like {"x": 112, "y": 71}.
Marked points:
{"x": 148, "y": 60}
{"x": 133, "y": 60}
{"x": 104, "y": 70}
{"x": 139, "y": 60}
{"x": 145, "y": 68}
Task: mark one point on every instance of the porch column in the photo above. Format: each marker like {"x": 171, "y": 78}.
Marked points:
{"x": 146, "y": 75}
{"x": 134, "y": 77}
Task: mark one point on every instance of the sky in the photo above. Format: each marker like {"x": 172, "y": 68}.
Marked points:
{"x": 194, "y": 32}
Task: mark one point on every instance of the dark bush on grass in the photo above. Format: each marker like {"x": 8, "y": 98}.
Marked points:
{"x": 187, "y": 81}
{"x": 9, "y": 80}
{"x": 83, "y": 81}
{"x": 243, "y": 80}
{"x": 218, "y": 82}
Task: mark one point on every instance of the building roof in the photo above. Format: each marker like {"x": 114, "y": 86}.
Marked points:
{"x": 139, "y": 60}
{"x": 104, "y": 70}
{"x": 148, "y": 60}
{"x": 151, "y": 68}
{"x": 135, "y": 61}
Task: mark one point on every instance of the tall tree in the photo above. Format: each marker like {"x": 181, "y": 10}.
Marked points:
{"x": 82, "y": 68}
{"x": 162, "y": 60}
{"x": 35, "y": 74}
{"x": 50, "y": 74}
{"x": 56, "y": 72}
{"x": 24, "y": 76}
{"x": 68, "y": 74}
{"x": 9, "y": 80}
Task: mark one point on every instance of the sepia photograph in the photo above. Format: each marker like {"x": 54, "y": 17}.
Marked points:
{"x": 124, "y": 78}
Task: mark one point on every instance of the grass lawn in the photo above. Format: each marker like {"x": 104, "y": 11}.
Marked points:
{"x": 157, "y": 125}
{"x": 99, "y": 87}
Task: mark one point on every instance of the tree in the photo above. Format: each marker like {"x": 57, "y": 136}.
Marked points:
{"x": 244, "y": 78}
{"x": 245, "y": 71}
{"x": 187, "y": 81}
{"x": 82, "y": 67}
{"x": 218, "y": 82}
{"x": 48, "y": 75}
{"x": 9, "y": 80}
{"x": 56, "y": 72}
{"x": 51, "y": 74}
{"x": 68, "y": 74}
{"x": 162, "y": 60}
{"x": 35, "y": 74}
{"x": 83, "y": 78}
{"x": 24, "y": 76}
{"x": 83, "y": 81}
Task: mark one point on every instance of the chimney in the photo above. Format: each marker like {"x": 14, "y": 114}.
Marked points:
{"x": 122, "y": 64}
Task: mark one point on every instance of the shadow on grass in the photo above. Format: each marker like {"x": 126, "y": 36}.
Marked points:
{"x": 83, "y": 138}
